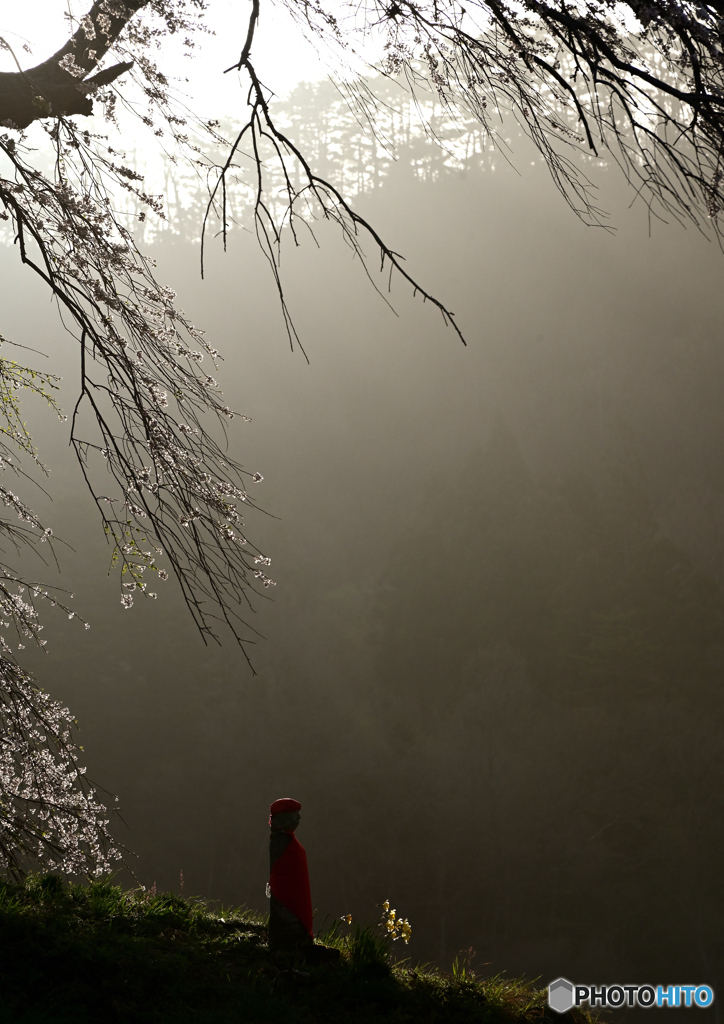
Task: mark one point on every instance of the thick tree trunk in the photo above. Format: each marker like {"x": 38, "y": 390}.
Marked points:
{"x": 50, "y": 89}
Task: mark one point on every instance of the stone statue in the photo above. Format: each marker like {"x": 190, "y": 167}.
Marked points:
{"x": 290, "y": 912}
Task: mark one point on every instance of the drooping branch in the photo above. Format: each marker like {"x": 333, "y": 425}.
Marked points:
{"x": 138, "y": 419}
{"x": 261, "y": 128}
{"x": 650, "y": 93}
{"x": 60, "y": 85}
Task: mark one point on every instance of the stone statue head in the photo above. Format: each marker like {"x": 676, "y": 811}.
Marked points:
{"x": 284, "y": 814}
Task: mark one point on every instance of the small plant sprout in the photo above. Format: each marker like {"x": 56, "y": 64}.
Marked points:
{"x": 462, "y": 965}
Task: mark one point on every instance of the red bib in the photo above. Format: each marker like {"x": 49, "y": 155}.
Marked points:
{"x": 289, "y": 882}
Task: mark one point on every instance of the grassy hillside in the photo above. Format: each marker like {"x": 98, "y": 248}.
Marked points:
{"x": 72, "y": 953}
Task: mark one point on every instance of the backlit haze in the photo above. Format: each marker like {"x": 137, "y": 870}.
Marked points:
{"x": 491, "y": 667}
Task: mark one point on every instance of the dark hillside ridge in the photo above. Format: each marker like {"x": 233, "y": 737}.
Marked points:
{"x": 71, "y": 954}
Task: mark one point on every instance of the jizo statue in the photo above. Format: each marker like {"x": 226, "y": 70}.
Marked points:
{"x": 290, "y": 912}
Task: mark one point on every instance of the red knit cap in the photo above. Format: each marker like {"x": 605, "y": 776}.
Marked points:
{"x": 286, "y": 803}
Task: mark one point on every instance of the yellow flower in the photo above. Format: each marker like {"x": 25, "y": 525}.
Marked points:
{"x": 397, "y": 929}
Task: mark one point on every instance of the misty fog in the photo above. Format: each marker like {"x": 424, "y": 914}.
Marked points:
{"x": 491, "y": 666}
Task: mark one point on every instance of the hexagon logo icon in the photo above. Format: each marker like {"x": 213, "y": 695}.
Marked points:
{"x": 560, "y": 995}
